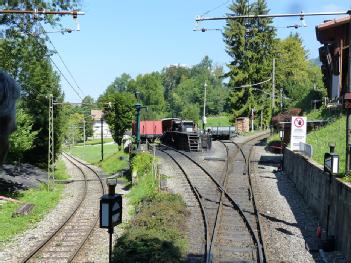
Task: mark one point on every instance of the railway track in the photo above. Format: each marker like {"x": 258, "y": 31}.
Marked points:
{"x": 229, "y": 220}
{"x": 64, "y": 244}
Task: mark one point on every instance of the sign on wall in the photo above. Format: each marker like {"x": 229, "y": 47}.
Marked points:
{"x": 298, "y": 132}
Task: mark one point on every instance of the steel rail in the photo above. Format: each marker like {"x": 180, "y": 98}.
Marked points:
{"x": 201, "y": 205}
{"x": 227, "y": 195}
{"x": 88, "y": 233}
{"x": 68, "y": 218}
{"x": 47, "y": 240}
{"x": 258, "y": 240}
{"x": 220, "y": 205}
{"x": 260, "y": 244}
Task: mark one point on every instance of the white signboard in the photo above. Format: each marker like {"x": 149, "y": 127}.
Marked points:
{"x": 298, "y": 132}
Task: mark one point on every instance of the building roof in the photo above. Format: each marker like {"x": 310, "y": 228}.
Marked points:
{"x": 97, "y": 114}
{"x": 332, "y": 30}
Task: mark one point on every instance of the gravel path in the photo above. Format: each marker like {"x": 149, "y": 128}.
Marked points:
{"x": 288, "y": 225}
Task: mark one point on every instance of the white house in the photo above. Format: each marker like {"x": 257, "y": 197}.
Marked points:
{"x": 97, "y": 116}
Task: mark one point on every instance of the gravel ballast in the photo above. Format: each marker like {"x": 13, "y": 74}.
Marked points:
{"x": 288, "y": 224}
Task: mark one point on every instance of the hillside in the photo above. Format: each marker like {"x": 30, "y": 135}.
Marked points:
{"x": 334, "y": 132}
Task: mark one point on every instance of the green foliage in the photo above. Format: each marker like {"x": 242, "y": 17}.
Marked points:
{"x": 297, "y": 77}
{"x": 25, "y": 58}
{"x": 151, "y": 94}
{"x": 43, "y": 200}
{"x": 87, "y": 105}
{"x": 250, "y": 43}
{"x": 14, "y": 24}
{"x": 121, "y": 113}
{"x": 176, "y": 91}
{"x": 22, "y": 139}
{"x": 142, "y": 163}
{"x": 157, "y": 231}
{"x": 74, "y": 132}
{"x": 186, "y": 99}
{"x": 60, "y": 171}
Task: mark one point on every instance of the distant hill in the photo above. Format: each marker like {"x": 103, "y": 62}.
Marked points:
{"x": 316, "y": 61}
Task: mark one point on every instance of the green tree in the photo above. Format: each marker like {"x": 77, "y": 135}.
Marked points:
{"x": 172, "y": 76}
{"x": 28, "y": 23}
{"x": 23, "y": 138}
{"x": 120, "y": 84}
{"x": 120, "y": 115}
{"x": 25, "y": 56}
{"x": 151, "y": 95}
{"x": 74, "y": 131}
{"x": 295, "y": 74}
{"x": 250, "y": 43}
{"x": 87, "y": 105}
{"x": 26, "y": 59}
{"x": 190, "y": 91}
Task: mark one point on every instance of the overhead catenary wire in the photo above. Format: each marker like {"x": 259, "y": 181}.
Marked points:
{"x": 61, "y": 59}
{"x": 69, "y": 83}
{"x": 252, "y": 85}
{"x": 215, "y": 8}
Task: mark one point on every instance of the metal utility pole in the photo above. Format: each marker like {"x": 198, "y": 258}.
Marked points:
{"x": 348, "y": 111}
{"x": 204, "y": 111}
{"x": 252, "y": 119}
{"x": 102, "y": 138}
{"x": 84, "y": 131}
{"x": 51, "y": 149}
{"x": 138, "y": 109}
{"x": 273, "y": 87}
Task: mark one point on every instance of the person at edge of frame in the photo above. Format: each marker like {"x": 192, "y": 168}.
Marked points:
{"x": 9, "y": 93}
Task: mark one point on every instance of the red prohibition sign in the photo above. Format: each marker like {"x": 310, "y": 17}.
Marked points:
{"x": 299, "y": 122}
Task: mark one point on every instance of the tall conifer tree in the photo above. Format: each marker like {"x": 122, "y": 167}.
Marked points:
{"x": 250, "y": 43}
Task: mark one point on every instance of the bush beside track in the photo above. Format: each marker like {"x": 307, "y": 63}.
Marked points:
{"x": 157, "y": 231}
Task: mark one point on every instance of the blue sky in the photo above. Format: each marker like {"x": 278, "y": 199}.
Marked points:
{"x": 138, "y": 37}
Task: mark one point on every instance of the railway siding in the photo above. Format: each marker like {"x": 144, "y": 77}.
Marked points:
{"x": 231, "y": 226}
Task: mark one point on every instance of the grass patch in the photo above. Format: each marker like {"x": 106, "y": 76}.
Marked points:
{"x": 347, "y": 179}
{"x": 333, "y": 132}
{"x": 95, "y": 141}
{"x": 43, "y": 200}
{"x": 60, "y": 171}
{"x": 92, "y": 154}
{"x": 274, "y": 137}
{"x": 156, "y": 232}
{"x": 222, "y": 120}
{"x": 114, "y": 160}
